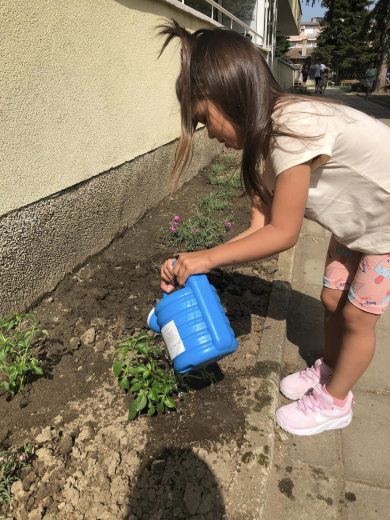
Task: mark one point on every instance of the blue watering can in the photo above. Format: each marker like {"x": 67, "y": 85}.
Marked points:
{"x": 193, "y": 324}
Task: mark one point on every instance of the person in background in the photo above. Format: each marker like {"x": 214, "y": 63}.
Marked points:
{"x": 317, "y": 74}
{"x": 304, "y": 70}
{"x": 370, "y": 77}
{"x": 324, "y": 79}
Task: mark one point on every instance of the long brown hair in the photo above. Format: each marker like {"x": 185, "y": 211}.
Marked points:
{"x": 223, "y": 67}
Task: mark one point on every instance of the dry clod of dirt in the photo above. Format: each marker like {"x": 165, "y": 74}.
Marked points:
{"x": 74, "y": 343}
{"x": 100, "y": 346}
{"x": 89, "y": 336}
{"x": 45, "y": 436}
{"x": 192, "y": 496}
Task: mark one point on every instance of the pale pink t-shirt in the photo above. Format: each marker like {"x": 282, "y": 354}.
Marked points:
{"x": 350, "y": 181}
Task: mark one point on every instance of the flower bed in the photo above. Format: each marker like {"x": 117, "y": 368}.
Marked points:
{"x": 89, "y": 462}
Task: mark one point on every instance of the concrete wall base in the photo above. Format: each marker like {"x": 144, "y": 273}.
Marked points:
{"x": 42, "y": 242}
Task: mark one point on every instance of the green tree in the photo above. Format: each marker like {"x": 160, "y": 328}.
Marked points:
{"x": 380, "y": 36}
{"x": 282, "y": 44}
{"x": 344, "y": 41}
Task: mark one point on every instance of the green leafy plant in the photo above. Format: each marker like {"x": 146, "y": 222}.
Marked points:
{"x": 12, "y": 461}
{"x": 215, "y": 201}
{"x": 17, "y": 359}
{"x": 228, "y": 181}
{"x": 230, "y": 158}
{"x": 142, "y": 371}
{"x": 202, "y": 230}
{"x": 218, "y": 169}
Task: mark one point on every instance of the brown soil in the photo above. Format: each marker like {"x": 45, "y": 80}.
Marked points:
{"x": 89, "y": 461}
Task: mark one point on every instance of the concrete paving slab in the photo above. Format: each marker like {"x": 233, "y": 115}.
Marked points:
{"x": 383, "y": 325}
{"x": 314, "y": 247}
{"x": 376, "y": 377}
{"x": 365, "y": 443}
{"x": 313, "y": 271}
{"x": 317, "y": 450}
{"x": 313, "y": 228}
{"x": 309, "y": 339}
{"x": 300, "y": 492}
{"x": 366, "y": 502}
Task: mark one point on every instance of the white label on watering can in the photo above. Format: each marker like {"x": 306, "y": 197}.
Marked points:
{"x": 172, "y": 339}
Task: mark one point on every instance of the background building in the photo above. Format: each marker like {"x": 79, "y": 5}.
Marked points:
{"x": 304, "y": 44}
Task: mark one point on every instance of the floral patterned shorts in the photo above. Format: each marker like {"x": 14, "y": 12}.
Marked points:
{"x": 366, "y": 277}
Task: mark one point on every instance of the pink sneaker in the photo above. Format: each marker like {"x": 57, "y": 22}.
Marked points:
{"x": 315, "y": 413}
{"x": 295, "y": 386}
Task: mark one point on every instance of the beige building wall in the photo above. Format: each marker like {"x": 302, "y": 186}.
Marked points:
{"x": 82, "y": 90}
{"x": 89, "y": 125}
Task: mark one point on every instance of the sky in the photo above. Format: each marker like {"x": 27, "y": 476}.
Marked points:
{"x": 309, "y": 12}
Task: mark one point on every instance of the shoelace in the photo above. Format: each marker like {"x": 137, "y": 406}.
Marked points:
{"x": 309, "y": 373}
{"x": 309, "y": 403}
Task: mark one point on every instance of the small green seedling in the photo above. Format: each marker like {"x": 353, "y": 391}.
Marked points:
{"x": 216, "y": 201}
{"x": 12, "y": 461}
{"x": 17, "y": 359}
{"x": 230, "y": 158}
{"x": 142, "y": 370}
{"x": 228, "y": 181}
{"x": 138, "y": 372}
{"x": 218, "y": 169}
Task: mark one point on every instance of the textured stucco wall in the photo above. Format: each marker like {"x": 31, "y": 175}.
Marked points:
{"x": 284, "y": 73}
{"x": 42, "y": 242}
{"x": 81, "y": 90}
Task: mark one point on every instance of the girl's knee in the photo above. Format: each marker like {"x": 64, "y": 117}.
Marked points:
{"x": 356, "y": 319}
{"x": 333, "y": 300}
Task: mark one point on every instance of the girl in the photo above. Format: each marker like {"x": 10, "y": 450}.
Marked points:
{"x": 300, "y": 157}
{"x": 305, "y": 70}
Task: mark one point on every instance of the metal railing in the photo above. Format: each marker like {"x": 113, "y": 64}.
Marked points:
{"x": 233, "y": 18}
{"x": 283, "y": 58}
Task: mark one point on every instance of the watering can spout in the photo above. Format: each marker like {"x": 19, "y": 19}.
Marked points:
{"x": 152, "y": 322}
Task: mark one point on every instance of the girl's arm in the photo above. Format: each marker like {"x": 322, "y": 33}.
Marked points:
{"x": 281, "y": 233}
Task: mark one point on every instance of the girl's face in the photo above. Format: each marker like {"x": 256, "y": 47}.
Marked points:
{"x": 218, "y": 126}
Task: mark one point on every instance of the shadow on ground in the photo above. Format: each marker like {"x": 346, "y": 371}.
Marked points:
{"x": 175, "y": 483}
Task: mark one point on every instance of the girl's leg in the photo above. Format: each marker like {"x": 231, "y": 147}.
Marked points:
{"x": 333, "y": 302}
{"x": 357, "y": 347}
{"x": 340, "y": 269}
{"x": 367, "y": 300}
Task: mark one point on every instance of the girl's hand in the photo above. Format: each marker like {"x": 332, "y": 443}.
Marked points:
{"x": 167, "y": 276}
{"x": 186, "y": 265}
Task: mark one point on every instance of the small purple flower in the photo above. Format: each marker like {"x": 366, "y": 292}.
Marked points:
{"x": 194, "y": 230}
{"x": 177, "y": 219}
{"x": 175, "y": 223}
{"x": 173, "y": 229}
{"x": 228, "y": 224}
{"x": 21, "y": 458}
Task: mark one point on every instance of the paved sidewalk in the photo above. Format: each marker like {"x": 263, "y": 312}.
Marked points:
{"x": 365, "y": 105}
{"x": 341, "y": 474}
